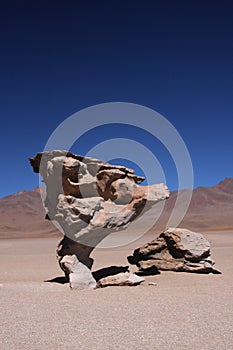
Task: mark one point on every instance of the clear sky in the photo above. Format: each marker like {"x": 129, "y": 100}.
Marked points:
{"x": 58, "y": 57}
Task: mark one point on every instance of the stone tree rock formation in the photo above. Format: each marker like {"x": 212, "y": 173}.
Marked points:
{"x": 89, "y": 199}
{"x": 176, "y": 249}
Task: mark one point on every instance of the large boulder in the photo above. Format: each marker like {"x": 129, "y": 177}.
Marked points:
{"x": 89, "y": 199}
{"x": 176, "y": 249}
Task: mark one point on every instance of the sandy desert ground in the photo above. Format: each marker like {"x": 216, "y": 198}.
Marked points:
{"x": 183, "y": 311}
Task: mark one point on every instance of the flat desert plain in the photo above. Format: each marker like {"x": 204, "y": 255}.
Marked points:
{"x": 183, "y": 311}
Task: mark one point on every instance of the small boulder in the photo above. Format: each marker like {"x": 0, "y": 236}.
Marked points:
{"x": 120, "y": 279}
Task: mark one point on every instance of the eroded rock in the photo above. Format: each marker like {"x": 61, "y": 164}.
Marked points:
{"x": 176, "y": 249}
{"x": 89, "y": 199}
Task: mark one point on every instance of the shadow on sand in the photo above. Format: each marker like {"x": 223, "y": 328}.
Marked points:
{"x": 109, "y": 271}
{"x": 98, "y": 274}
{"x": 60, "y": 280}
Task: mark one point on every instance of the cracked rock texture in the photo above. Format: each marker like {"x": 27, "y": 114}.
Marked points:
{"x": 89, "y": 199}
{"x": 176, "y": 249}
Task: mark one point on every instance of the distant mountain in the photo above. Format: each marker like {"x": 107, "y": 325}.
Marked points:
{"x": 211, "y": 208}
{"x": 22, "y": 215}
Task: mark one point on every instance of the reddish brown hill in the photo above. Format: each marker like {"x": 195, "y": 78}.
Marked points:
{"x": 211, "y": 208}
{"x": 22, "y": 215}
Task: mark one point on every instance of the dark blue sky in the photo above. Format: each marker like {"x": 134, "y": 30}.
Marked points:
{"x": 175, "y": 57}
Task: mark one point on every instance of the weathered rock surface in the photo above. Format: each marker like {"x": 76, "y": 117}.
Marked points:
{"x": 176, "y": 249}
{"x": 120, "y": 279}
{"x": 89, "y": 199}
{"x": 79, "y": 274}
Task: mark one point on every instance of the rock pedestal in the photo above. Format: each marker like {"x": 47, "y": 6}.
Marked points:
{"x": 80, "y": 275}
